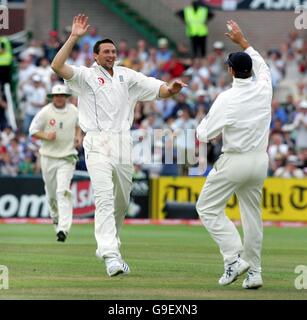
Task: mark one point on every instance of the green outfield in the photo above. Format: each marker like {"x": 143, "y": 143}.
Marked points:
{"x": 167, "y": 262}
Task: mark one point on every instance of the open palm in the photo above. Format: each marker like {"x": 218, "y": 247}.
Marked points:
{"x": 79, "y": 26}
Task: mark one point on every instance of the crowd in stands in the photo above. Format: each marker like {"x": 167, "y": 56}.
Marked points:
{"x": 206, "y": 78}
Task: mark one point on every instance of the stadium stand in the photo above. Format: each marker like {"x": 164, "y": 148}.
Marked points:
{"x": 206, "y": 79}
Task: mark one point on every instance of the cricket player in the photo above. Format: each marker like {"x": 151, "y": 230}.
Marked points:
{"x": 242, "y": 115}
{"x": 56, "y": 125}
{"x": 107, "y": 97}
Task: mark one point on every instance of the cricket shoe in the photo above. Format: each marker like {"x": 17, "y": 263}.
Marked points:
{"x": 117, "y": 267}
{"x": 114, "y": 267}
{"x": 233, "y": 271}
{"x": 114, "y": 264}
{"x": 253, "y": 280}
{"x": 61, "y": 236}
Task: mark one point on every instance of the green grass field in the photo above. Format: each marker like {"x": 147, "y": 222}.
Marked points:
{"x": 167, "y": 262}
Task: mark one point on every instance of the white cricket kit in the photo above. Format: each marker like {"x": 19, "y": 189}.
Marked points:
{"x": 106, "y": 112}
{"x": 243, "y": 115}
{"x": 58, "y": 160}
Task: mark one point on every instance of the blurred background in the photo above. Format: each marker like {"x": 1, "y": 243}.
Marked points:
{"x": 151, "y": 37}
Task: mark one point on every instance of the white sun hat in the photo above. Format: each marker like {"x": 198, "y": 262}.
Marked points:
{"x": 59, "y": 89}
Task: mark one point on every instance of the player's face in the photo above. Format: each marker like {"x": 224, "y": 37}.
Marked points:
{"x": 106, "y": 56}
{"x": 59, "y": 100}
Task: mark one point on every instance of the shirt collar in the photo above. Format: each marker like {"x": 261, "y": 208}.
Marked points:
{"x": 59, "y": 110}
{"x": 237, "y": 82}
{"x": 105, "y": 72}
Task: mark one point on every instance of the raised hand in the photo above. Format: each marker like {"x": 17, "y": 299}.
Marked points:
{"x": 235, "y": 34}
{"x": 79, "y": 26}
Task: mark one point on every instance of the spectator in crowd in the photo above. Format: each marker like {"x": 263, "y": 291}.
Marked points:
{"x": 277, "y": 66}
{"x": 123, "y": 49}
{"x": 132, "y": 61}
{"x": 181, "y": 103}
{"x": 165, "y": 107}
{"x": 34, "y": 52}
{"x": 86, "y": 53}
{"x": 7, "y": 135}
{"x": 26, "y": 166}
{"x": 52, "y": 45}
{"x": 75, "y": 58}
{"x": 290, "y": 170}
{"x": 142, "y": 51}
{"x": 44, "y": 71}
{"x": 277, "y": 145}
{"x": 275, "y": 163}
{"x": 278, "y": 112}
{"x": 173, "y": 67}
{"x": 150, "y": 67}
{"x": 203, "y": 101}
{"x": 26, "y": 70}
{"x": 183, "y": 54}
{"x": 164, "y": 54}
{"x": 7, "y": 167}
{"x": 290, "y": 107}
{"x": 90, "y": 38}
{"x": 35, "y": 96}
{"x": 300, "y": 125}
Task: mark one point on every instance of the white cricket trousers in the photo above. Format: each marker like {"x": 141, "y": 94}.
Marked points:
{"x": 57, "y": 175}
{"x": 242, "y": 174}
{"x": 108, "y": 161}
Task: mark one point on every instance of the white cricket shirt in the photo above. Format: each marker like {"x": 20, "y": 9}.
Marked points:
{"x": 63, "y": 122}
{"x": 243, "y": 113}
{"x": 106, "y": 103}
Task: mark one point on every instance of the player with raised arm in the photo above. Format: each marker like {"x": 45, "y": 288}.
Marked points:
{"x": 107, "y": 97}
{"x": 242, "y": 115}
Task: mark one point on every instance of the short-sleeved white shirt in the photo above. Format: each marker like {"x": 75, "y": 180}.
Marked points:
{"x": 106, "y": 103}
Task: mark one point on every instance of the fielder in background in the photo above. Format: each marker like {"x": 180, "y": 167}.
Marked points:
{"x": 56, "y": 125}
{"x": 242, "y": 114}
{"x": 107, "y": 98}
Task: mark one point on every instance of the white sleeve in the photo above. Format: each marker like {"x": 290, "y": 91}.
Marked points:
{"x": 145, "y": 88}
{"x": 38, "y": 123}
{"x": 260, "y": 68}
{"x": 76, "y": 82}
{"x": 293, "y": 125}
{"x": 213, "y": 124}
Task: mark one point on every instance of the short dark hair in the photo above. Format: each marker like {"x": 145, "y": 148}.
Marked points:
{"x": 241, "y": 63}
{"x": 242, "y": 75}
{"x": 99, "y": 42}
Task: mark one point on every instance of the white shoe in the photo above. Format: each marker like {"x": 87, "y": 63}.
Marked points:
{"x": 115, "y": 266}
{"x": 233, "y": 271}
{"x": 253, "y": 280}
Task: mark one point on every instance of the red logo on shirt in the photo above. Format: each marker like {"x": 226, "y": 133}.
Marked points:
{"x": 101, "y": 81}
{"x": 52, "y": 122}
